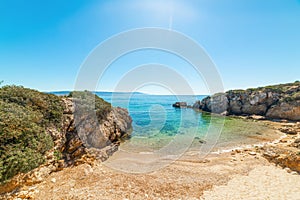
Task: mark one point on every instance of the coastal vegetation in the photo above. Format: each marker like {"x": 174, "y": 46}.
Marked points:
{"x": 87, "y": 101}
{"x": 24, "y": 116}
{"x": 38, "y": 128}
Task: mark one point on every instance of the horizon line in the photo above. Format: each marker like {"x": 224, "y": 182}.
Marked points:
{"x": 146, "y": 93}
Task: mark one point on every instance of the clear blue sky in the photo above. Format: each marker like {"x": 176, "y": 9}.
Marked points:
{"x": 252, "y": 42}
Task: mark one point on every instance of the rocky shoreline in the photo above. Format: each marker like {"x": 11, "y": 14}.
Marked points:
{"x": 72, "y": 152}
{"x": 272, "y": 102}
{"x": 100, "y": 140}
{"x": 211, "y": 176}
{"x": 277, "y": 102}
{"x": 286, "y": 152}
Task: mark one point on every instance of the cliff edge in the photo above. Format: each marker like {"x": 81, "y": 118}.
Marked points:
{"x": 42, "y": 133}
{"x": 273, "y": 102}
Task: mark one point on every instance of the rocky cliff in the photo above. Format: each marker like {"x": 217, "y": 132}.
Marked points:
{"x": 43, "y": 133}
{"x": 274, "y": 102}
{"x": 91, "y": 133}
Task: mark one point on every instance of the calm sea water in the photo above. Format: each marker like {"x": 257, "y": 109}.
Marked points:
{"x": 155, "y": 113}
{"x": 156, "y": 122}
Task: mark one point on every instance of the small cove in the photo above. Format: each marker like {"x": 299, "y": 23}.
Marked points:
{"x": 156, "y": 124}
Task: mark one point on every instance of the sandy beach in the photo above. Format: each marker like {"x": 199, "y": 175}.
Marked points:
{"x": 237, "y": 174}
{"x": 224, "y": 176}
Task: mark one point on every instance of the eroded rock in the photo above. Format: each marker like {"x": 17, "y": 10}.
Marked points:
{"x": 91, "y": 139}
{"x": 273, "y": 102}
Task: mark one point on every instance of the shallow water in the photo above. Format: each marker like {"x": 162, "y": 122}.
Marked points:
{"x": 157, "y": 125}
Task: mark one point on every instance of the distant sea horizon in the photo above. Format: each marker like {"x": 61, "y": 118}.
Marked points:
{"x": 66, "y": 92}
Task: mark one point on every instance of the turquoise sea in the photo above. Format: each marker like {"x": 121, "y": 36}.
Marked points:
{"x": 156, "y": 123}
{"x": 153, "y": 113}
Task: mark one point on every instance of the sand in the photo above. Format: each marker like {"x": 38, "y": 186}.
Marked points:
{"x": 219, "y": 176}
{"x": 242, "y": 174}
{"x": 264, "y": 182}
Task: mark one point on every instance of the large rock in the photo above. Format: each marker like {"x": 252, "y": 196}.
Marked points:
{"x": 75, "y": 144}
{"x": 197, "y": 105}
{"x": 85, "y": 130}
{"x": 275, "y": 102}
{"x": 180, "y": 105}
{"x": 285, "y": 110}
{"x": 217, "y": 103}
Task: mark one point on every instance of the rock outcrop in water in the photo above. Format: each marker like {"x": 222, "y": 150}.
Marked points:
{"x": 274, "y": 102}
{"x": 43, "y": 133}
{"x": 180, "y": 105}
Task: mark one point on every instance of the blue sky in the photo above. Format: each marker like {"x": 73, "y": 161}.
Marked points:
{"x": 252, "y": 42}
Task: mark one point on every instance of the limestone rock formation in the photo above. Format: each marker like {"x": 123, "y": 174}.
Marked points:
{"x": 283, "y": 157}
{"x": 217, "y": 103}
{"x": 83, "y": 133}
{"x": 286, "y": 152}
{"x": 285, "y": 110}
{"x": 274, "y": 102}
{"x": 91, "y": 132}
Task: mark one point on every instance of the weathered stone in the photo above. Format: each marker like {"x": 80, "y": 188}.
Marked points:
{"x": 72, "y": 148}
{"x": 235, "y": 106}
{"x": 283, "y": 157}
{"x": 180, "y": 105}
{"x": 217, "y": 103}
{"x": 275, "y": 102}
{"x": 285, "y": 110}
{"x": 296, "y": 143}
{"x": 197, "y": 105}
{"x": 290, "y": 131}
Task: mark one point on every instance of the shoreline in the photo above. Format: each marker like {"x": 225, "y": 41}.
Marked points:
{"x": 210, "y": 175}
{"x": 250, "y": 146}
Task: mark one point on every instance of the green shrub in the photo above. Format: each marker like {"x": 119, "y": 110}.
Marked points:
{"x": 57, "y": 154}
{"x": 24, "y": 117}
{"x": 86, "y": 101}
{"x": 293, "y": 97}
{"x": 47, "y": 104}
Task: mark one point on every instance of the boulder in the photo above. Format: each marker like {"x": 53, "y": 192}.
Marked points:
{"x": 259, "y": 109}
{"x": 285, "y": 110}
{"x": 217, "y": 103}
{"x": 90, "y": 132}
{"x": 197, "y": 105}
{"x": 235, "y": 106}
{"x": 180, "y": 105}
